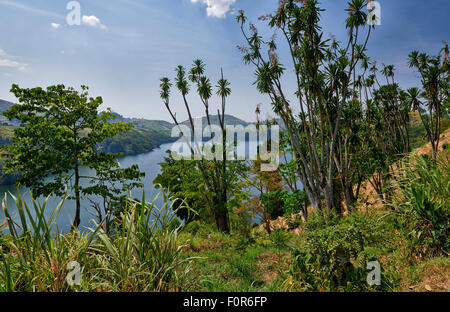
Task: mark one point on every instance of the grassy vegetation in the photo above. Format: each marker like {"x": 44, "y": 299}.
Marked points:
{"x": 142, "y": 254}
{"x": 352, "y": 139}
{"x": 149, "y": 250}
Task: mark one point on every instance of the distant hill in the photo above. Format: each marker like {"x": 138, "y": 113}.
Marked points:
{"x": 4, "y": 106}
{"x": 145, "y": 124}
{"x": 146, "y": 136}
{"x": 229, "y": 120}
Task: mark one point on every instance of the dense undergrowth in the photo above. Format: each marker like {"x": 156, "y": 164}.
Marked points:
{"x": 141, "y": 253}
{"x": 149, "y": 250}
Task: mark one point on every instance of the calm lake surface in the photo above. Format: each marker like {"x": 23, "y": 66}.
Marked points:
{"x": 148, "y": 163}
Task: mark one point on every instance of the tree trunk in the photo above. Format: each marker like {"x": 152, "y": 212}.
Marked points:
{"x": 329, "y": 198}
{"x": 222, "y": 221}
{"x": 77, "y": 220}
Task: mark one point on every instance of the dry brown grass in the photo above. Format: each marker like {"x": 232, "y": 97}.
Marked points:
{"x": 434, "y": 276}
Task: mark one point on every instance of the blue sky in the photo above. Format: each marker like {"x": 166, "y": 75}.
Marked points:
{"x": 123, "y": 47}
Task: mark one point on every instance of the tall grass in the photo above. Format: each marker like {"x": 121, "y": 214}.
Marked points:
{"x": 35, "y": 256}
{"x": 142, "y": 254}
{"x": 425, "y": 202}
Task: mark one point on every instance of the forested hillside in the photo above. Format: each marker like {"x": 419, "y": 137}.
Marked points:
{"x": 143, "y": 138}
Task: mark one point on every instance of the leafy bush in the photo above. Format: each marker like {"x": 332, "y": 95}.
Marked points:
{"x": 273, "y": 204}
{"x": 333, "y": 256}
{"x": 280, "y": 240}
{"x": 425, "y": 204}
{"x": 293, "y": 202}
{"x": 242, "y": 230}
{"x": 192, "y": 227}
{"x": 294, "y": 223}
{"x": 283, "y": 203}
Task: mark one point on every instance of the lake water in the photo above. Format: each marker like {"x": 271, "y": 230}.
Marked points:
{"x": 148, "y": 163}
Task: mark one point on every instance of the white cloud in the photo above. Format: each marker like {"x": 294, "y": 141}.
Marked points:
{"x": 92, "y": 21}
{"x": 55, "y": 25}
{"x": 13, "y": 64}
{"x": 216, "y": 8}
{"x": 6, "y": 60}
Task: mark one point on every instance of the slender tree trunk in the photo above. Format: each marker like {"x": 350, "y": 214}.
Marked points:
{"x": 77, "y": 220}
{"x": 222, "y": 219}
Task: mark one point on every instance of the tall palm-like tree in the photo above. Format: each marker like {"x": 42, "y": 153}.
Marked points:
{"x": 413, "y": 98}
{"x": 326, "y": 79}
{"x": 388, "y": 72}
{"x": 215, "y": 173}
{"x": 434, "y": 72}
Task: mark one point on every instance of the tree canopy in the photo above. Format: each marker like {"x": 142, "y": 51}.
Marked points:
{"x": 61, "y": 130}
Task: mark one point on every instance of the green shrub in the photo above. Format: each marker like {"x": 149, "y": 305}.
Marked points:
{"x": 293, "y": 202}
{"x": 283, "y": 203}
{"x": 242, "y": 230}
{"x": 243, "y": 269}
{"x": 425, "y": 204}
{"x": 294, "y": 223}
{"x": 333, "y": 256}
{"x": 280, "y": 240}
{"x": 192, "y": 227}
{"x": 273, "y": 204}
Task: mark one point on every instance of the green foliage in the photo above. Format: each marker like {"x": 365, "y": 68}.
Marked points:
{"x": 294, "y": 223}
{"x": 293, "y": 202}
{"x": 60, "y": 131}
{"x": 279, "y": 203}
{"x": 192, "y": 227}
{"x": 434, "y": 73}
{"x": 36, "y": 259}
{"x": 243, "y": 269}
{"x": 273, "y": 204}
{"x": 218, "y": 175}
{"x": 326, "y": 133}
{"x": 241, "y": 225}
{"x": 425, "y": 204}
{"x": 332, "y": 256}
{"x": 143, "y": 254}
{"x": 135, "y": 141}
{"x": 181, "y": 179}
{"x": 417, "y": 132}
{"x": 279, "y": 239}
{"x": 175, "y": 224}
